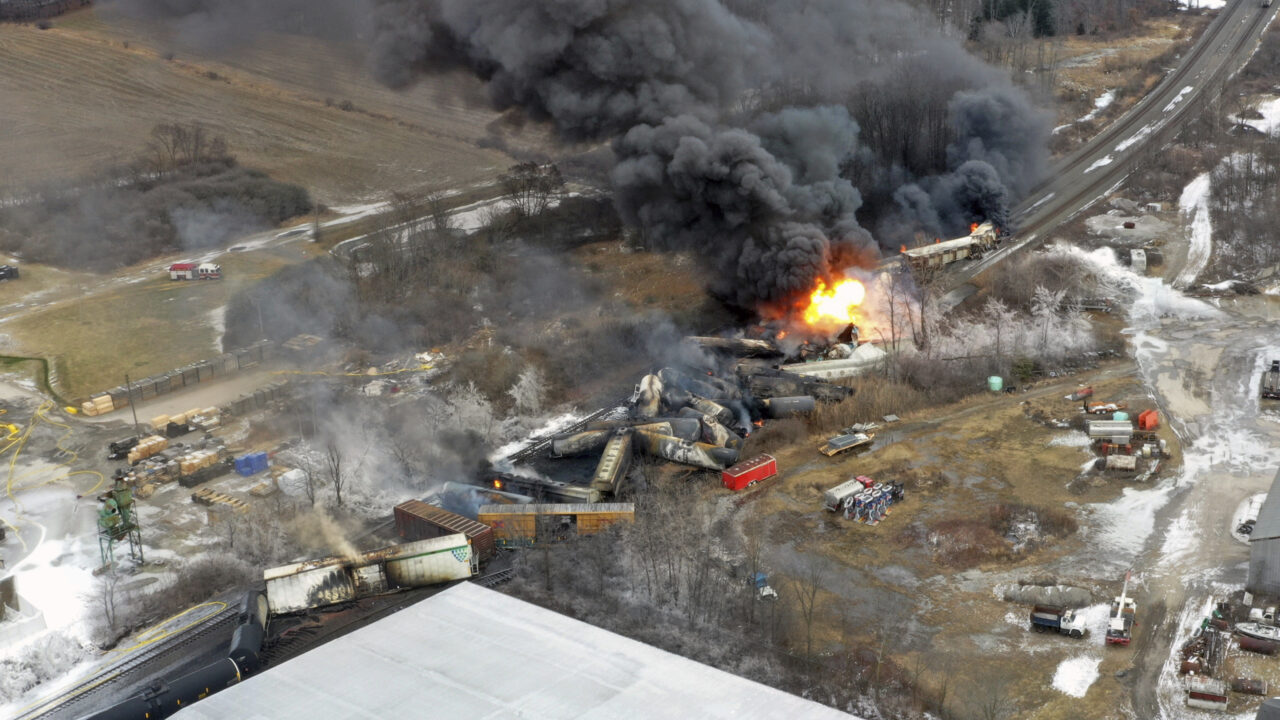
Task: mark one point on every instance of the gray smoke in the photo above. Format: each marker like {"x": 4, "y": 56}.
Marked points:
{"x": 217, "y": 26}
{"x": 730, "y": 119}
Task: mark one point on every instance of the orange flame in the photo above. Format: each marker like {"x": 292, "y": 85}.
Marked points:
{"x": 973, "y": 228}
{"x": 497, "y": 484}
{"x": 903, "y": 249}
{"x": 836, "y": 303}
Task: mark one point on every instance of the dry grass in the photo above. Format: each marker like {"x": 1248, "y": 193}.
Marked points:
{"x": 268, "y": 100}
{"x": 140, "y": 328}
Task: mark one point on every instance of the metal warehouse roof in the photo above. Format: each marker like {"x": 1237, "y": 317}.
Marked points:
{"x": 1268, "y": 525}
{"x": 469, "y": 652}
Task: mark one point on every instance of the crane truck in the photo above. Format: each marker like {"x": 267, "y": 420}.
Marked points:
{"x": 1271, "y": 382}
{"x": 1123, "y": 608}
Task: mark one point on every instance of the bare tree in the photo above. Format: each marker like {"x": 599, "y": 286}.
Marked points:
{"x": 1000, "y": 315}
{"x": 989, "y": 697}
{"x": 805, "y": 586}
{"x": 531, "y": 188}
{"x": 438, "y": 210}
{"x": 107, "y": 584}
{"x": 333, "y": 461}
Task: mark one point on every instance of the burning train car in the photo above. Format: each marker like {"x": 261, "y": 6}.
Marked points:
{"x": 981, "y": 239}
{"x": 328, "y": 581}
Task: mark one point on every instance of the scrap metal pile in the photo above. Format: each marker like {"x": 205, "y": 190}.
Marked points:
{"x": 697, "y": 417}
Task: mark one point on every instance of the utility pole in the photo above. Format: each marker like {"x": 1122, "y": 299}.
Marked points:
{"x": 133, "y": 407}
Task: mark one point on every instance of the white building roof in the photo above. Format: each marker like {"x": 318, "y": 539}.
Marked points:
{"x": 474, "y": 653}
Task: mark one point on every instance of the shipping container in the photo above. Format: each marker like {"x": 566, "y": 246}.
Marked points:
{"x": 749, "y": 472}
{"x": 1109, "y": 429}
{"x": 524, "y": 525}
{"x": 1206, "y": 694}
{"x": 427, "y": 562}
{"x": 119, "y": 396}
{"x": 416, "y": 520}
{"x": 176, "y": 380}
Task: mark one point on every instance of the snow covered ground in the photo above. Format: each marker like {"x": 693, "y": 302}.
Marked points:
{"x": 1074, "y": 676}
{"x": 1100, "y": 164}
{"x": 1269, "y": 123}
{"x": 1194, "y": 204}
{"x": 1102, "y": 102}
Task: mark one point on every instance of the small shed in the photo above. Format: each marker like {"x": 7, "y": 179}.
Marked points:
{"x": 182, "y": 271}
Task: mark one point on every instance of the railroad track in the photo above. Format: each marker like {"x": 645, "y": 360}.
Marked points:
{"x": 1047, "y": 207}
{"x": 539, "y": 445}
{"x": 1113, "y": 132}
{"x": 495, "y": 578}
{"x": 1164, "y": 128}
{"x": 90, "y": 687}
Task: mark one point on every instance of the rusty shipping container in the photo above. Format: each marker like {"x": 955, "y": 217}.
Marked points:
{"x": 524, "y": 525}
{"x": 416, "y": 520}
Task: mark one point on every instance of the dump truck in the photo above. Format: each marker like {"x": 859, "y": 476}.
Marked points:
{"x": 1052, "y": 618}
{"x": 1271, "y": 382}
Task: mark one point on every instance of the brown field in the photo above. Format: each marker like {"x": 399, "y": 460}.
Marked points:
{"x": 1091, "y": 65}
{"x": 86, "y": 94}
{"x": 957, "y": 461}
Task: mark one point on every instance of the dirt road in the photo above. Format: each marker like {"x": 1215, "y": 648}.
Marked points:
{"x": 1206, "y": 373}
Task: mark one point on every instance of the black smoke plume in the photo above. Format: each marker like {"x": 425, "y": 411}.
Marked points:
{"x": 733, "y": 120}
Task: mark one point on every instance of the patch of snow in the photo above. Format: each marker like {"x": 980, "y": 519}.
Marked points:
{"x": 1270, "y": 120}
{"x": 1102, "y": 102}
{"x": 1135, "y": 138}
{"x": 1205, "y": 4}
{"x": 1181, "y": 94}
{"x": 1121, "y": 527}
{"x": 551, "y": 427}
{"x": 1179, "y": 540}
{"x": 1194, "y": 202}
{"x": 1041, "y": 201}
{"x": 1099, "y": 164}
{"x": 1071, "y": 439}
{"x": 218, "y": 321}
{"x": 50, "y": 579}
{"x": 1074, "y": 676}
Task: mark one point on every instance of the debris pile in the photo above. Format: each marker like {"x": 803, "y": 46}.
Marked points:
{"x": 699, "y": 418}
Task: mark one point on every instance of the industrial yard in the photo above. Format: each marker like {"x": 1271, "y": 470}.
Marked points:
{"x": 946, "y": 400}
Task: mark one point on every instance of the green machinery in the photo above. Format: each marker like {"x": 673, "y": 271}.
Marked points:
{"x": 118, "y": 522}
